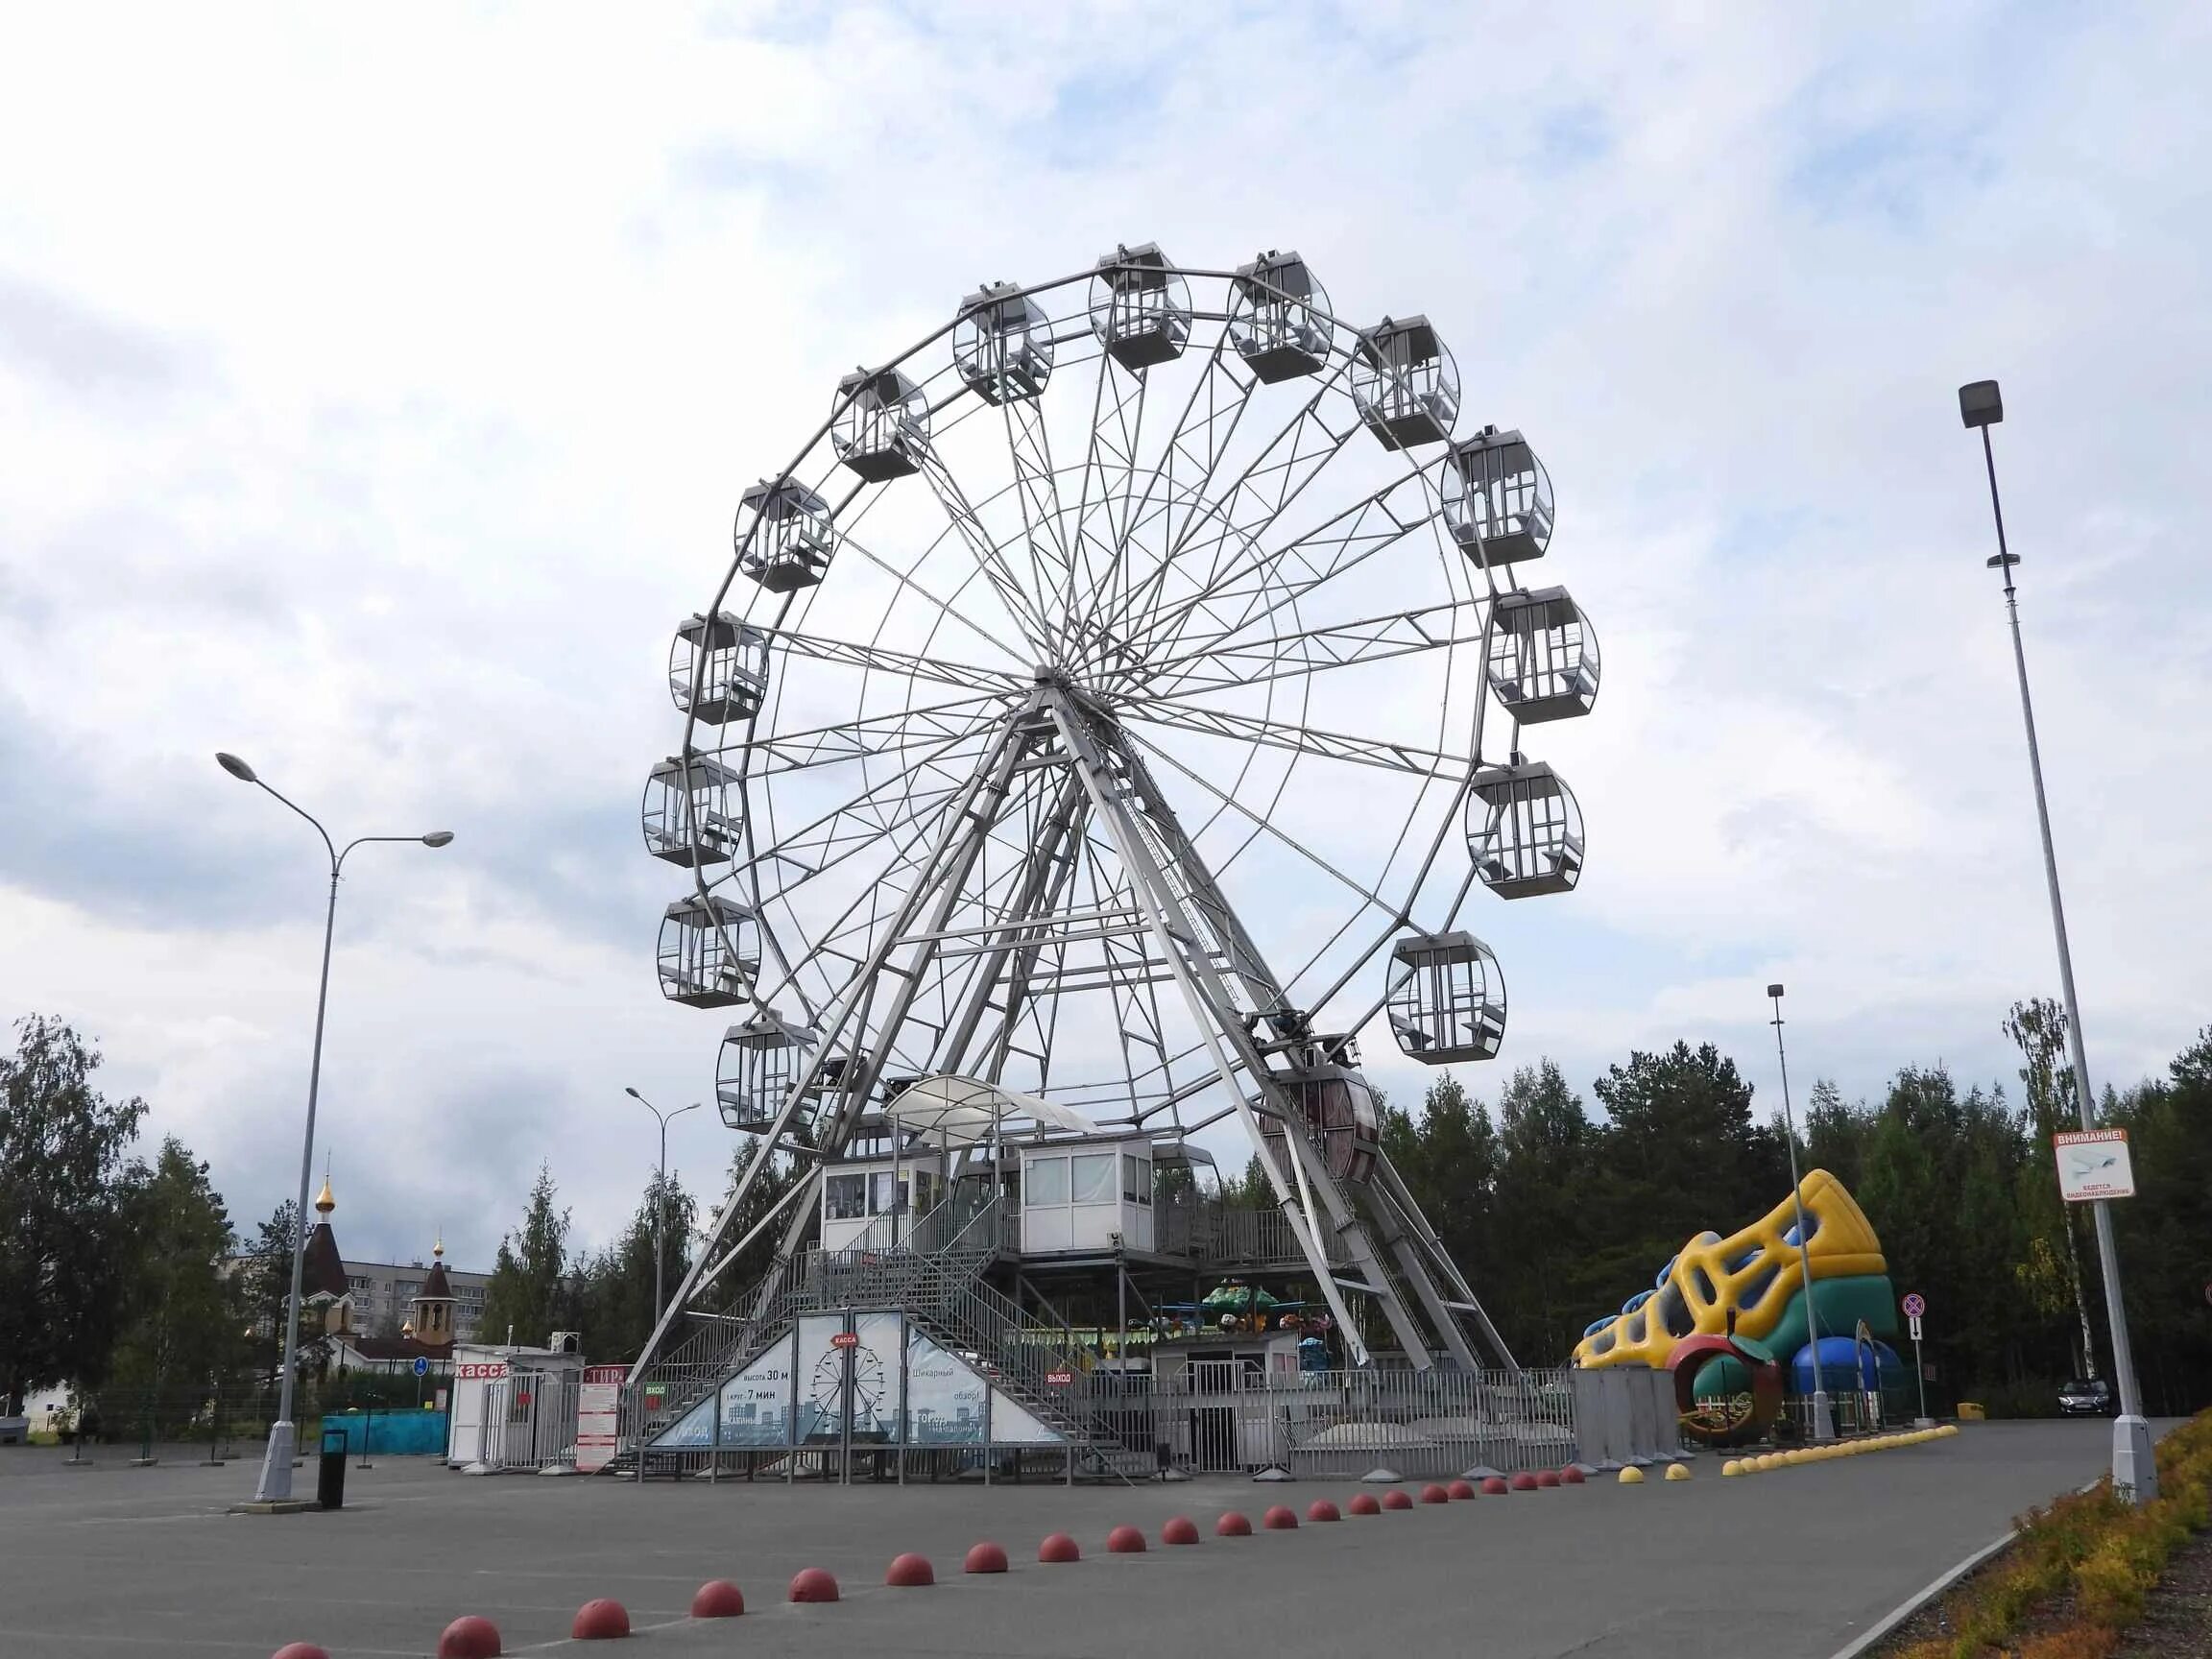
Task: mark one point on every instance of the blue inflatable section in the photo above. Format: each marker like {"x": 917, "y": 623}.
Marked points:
{"x": 1877, "y": 1366}
{"x": 391, "y": 1433}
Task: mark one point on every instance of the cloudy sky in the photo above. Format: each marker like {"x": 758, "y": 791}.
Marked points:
{"x": 375, "y": 388}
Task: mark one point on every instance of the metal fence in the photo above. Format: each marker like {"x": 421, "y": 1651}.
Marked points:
{"x": 1324, "y": 1424}
{"x": 526, "y": 1421}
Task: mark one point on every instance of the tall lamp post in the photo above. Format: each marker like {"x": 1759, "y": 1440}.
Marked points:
{"x": 660, "y": 1185}
{"x": 1824, "y": 1409}
{"x": 275, "y": 1483}
{"x": 2134, "y": 1469}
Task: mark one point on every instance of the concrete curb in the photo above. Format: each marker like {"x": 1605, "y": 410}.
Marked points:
{"x": 1920, "y": 1598}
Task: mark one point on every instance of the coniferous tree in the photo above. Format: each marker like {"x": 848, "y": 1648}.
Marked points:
{"x": 530, "y": 1296}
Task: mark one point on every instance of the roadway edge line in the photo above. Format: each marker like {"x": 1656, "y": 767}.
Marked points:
{"x": 1920, "y": 1598}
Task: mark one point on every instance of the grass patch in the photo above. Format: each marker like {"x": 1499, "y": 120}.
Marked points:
{"x": 2080, "y": 1572}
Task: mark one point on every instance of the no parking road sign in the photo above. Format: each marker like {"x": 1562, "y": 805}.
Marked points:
{"x": 1915, "y": 1304}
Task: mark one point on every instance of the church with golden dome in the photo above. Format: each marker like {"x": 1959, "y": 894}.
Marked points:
{"x": 382, "y": 1317}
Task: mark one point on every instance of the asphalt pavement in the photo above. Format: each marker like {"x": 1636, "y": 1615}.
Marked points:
{"x": 118, "y": 1563}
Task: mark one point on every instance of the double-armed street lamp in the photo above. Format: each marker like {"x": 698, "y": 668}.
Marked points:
{"x": 660, "y": 1185}
{"x": 2134, "y": 1469}
{"x": 276, "y": 1483}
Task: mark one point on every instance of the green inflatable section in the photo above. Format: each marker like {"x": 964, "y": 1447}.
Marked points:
{"x": 1842, "y": 1303}
{"x": 1724, "y": 1376}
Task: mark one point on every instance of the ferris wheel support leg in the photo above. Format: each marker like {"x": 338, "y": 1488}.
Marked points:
{"x": 1049, "y": 871}
{"x": 1207, "y": 998}
{"x": 949, "y": 861}
{"x": 1267, "y": 993}
{"x": 1400, "y": 1195}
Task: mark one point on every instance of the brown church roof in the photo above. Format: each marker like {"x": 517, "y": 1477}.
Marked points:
{"x": 324, "y": 1270}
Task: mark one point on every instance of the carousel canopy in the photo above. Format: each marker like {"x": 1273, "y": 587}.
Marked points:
{"x": 956, "y": 1111}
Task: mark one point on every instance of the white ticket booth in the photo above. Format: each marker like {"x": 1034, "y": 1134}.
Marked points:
{"x": 874, "y": 1202}
{"x": 1077, "y": 1193}
{"x": 513, "y": 1407}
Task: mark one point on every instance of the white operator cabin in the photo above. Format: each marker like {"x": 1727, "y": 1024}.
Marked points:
{"x": 1070, "y": 1190}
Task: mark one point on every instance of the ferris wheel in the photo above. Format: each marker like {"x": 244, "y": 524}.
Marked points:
{"x": 1118, "y": 700}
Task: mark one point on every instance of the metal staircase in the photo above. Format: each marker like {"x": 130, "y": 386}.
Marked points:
{"x": 936, "y": 1276}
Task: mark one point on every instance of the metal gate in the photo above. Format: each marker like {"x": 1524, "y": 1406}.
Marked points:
{"x": 528, "y": 1422}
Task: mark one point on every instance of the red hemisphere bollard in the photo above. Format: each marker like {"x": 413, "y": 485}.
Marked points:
{"x": 600, "y": 1620}
{"x": 718, "y": 1599}
{"x": 1280, "y": 1518}
{"x": 469, "y": 1637}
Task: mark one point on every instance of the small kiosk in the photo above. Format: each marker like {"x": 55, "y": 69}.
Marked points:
{"x": 514, "y": 1408}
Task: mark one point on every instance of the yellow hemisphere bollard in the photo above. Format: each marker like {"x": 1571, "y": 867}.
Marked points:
{"x": 1678, "y": 1472}
{"x": 1731, "y": 1468}
{"x": 1631, "y": 1476}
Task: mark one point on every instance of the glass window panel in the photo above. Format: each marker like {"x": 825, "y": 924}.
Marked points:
{"x": 1045, "y": 1182}
{"x": 846, "y": 1197}
{"x": 1090, "y": 1177}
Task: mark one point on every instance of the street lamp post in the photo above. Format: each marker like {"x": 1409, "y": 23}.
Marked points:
{"x": 660, "y": 1185}
{"x": 276, "y": 1483}
{"x": 2134, "y": 1468}
{"x": 1824, "y": 1409}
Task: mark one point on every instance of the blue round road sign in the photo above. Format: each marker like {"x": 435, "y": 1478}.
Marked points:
{"x": 421, "y": 1366}
{"x": 1914, "y": 1307}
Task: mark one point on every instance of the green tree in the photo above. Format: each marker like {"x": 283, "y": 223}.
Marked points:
{"x": 1541, "y": 1218}
{"x": 2037, "y": 1028}
{"x": 616, "y": 1309}
{"x": 63, "y": 1241}
{"x": 181, "y": 1312}
{"x": 266, "y": 1286}
{"x": 1680, "y": 1154}
{"x": 530, "y": 1294}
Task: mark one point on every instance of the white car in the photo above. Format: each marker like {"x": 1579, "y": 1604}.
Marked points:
{"x": 14, "y": 1430}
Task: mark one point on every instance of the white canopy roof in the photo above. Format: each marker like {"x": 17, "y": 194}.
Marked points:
{"x": 956, "y": 1111}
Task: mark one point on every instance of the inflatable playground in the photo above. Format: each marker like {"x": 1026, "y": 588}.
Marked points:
{"x": 1753, "y": 1324}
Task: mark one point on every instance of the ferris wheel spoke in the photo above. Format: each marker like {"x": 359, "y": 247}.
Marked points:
{"x": 879, "y": 810}
{"x": 869, "y": 734}
{"x": 945, "y": 606}
{"x": 1219, "y": 525}
{"x": 1044, "y": 526}
{"x": 1257, "y": 586}
{"x": 1110, "y": 469}
{"x": 1022, "y": 604}
{"x": 1410, "y": 758}
{"x": 1203, "y": 429}
{"x": 1281, "y": 835}
{"x": 937, "y": 669}
{"x": 1314, "y": 650}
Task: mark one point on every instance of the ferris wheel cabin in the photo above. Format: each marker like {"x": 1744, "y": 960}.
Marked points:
{"x": 1002, "y": 344}
{"x": 761, "y": 1061}
{"x": 1140, "y": 307}
{"x": 1446, "y": 1001}
{"x": 719, "y": 670}
{"x": 1279, "y": 318}
{"x": 1498, "y": 499}
{"x": 1338, "y": 1104}
{"x": 790, "y": 539}
{"x": 1524, "y": 830}
{"x": 1404, "y": 384}
{"x": 1543, "y": 656}
{"x": 689, "y": 817}
{"x": 709, "y": 953}
{"x": 880, "y": 424}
